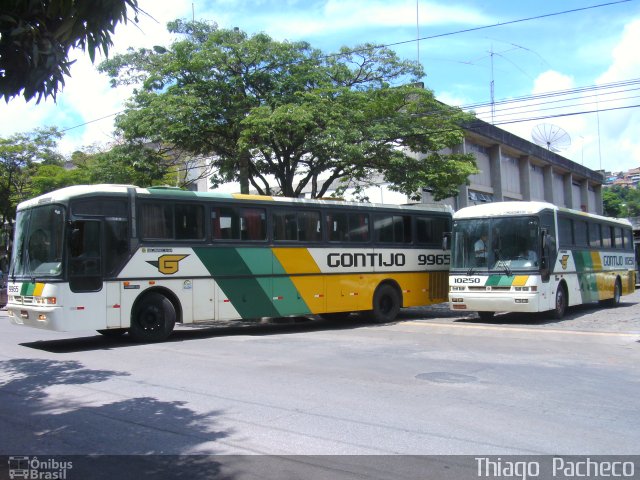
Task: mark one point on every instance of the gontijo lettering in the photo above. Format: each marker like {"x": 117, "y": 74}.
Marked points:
{"x": 366, "y": 260}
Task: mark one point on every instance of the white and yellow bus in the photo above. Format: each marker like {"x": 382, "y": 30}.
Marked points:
{"x": 535, "y": 257}
{"x": 121, "y": 258}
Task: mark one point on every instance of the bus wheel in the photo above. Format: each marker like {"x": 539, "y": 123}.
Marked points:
{"x": 153, "y": 319}
{"x": 561, "y": 302}
{"x": 617, "y": 291}
{"x": 113, "y": 332}
{"x": 486, "y": 316}
{"x": 386, "y": 304}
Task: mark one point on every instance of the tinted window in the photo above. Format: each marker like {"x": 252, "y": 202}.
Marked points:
{"x": 617, "y": 232}
{"x": 393, "y": 228}
{"x": 189, "y": 223}
{"x": 606, "y": 236}
{"x": 594, "y": 235}
{"x": 430, "y": 229}
{"x": 580, "y": 232}
{"x": 565, "y": 231}
{"x": 348, "y": 227}
{"x": 167, "y": 221}
{"x": 302, "y": 226}
{"x": 233, "y": 223}
{"x": 628, "y": 239}
{"x": 103, "y": 207}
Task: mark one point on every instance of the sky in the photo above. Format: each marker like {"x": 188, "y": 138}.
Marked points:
{"x": 525, "y": 52}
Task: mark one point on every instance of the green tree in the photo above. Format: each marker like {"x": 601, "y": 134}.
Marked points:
{"x": 20, "y": 155}
{"x": 137, "y": 164}
{"x": 621, "y": 201}
{"x": 36, "y": 37}
{"x": 47, "y": 178}
{"x": 285, "y": 113}
{"x": 613, "y": 205}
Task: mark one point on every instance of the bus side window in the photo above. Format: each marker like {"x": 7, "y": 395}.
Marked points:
{"x": 606, "y": 236}
{"x": 189, "y": 224}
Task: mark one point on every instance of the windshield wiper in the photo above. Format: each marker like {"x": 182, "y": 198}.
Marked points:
{"x": 470, "y": 271}
{"x": 503, "y": 264}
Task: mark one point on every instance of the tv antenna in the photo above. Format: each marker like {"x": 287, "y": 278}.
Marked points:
{"x": 550, "y": 136}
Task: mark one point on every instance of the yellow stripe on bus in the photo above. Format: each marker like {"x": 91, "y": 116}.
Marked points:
{"x": 296, "y": 260}
{"x": 520, "y": 280}
{"x": 37, "y": 291}
{"x": 245, "y": 196}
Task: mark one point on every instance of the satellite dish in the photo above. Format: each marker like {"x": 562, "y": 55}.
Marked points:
{"x": 550, "y": 136}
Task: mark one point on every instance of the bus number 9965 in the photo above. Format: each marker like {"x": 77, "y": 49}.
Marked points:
{"x": 432, "y": 259}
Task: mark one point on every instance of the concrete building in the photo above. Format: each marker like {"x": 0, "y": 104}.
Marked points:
{"x": 512, "y": 168}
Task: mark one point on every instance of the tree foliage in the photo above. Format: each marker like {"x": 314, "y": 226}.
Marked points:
{"x": 138, "y": 164}
{"x": 286, "y": 114}
{"x": 20, "y": 157}
{"x": 36, "y": 37}
{"x": 621, "y": 202}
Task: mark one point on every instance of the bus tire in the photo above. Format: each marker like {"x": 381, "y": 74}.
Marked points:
{"x": 386, "y": 304}
{"x": 561, "y": 302}
{"x": 617, "y": 292}
{"x": 152, "y": 319}
{"x": 486, "y": 316}
{"x": 113, "y": 332}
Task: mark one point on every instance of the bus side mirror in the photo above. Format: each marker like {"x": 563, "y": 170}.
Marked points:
{"x": 545, "y": 239}
{"x": 446, "y": 237}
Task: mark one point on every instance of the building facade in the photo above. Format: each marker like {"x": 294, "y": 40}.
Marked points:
{"x": 512, "y": 168}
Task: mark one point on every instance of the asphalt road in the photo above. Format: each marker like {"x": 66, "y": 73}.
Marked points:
{"x": 431, "y": 383}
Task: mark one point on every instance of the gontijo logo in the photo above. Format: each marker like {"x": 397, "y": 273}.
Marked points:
{"x": 167, "y": 264}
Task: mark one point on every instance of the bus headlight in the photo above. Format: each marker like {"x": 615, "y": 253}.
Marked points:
{"x": 526, "y": 289}
{"x": 45, "y": 300}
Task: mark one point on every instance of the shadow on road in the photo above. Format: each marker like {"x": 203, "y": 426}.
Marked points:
{"x": 206, "y": 330}
{"x": 44, "y": 419}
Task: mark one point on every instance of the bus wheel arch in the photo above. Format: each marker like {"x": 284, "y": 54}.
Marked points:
{"x": 617, "y": 293}
{"x": 561, "y": 301}
{"x": 386, "y": 303}
{"x": 153, "y": 316}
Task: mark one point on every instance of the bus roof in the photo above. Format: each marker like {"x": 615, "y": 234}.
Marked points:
{"x": 68, "y": 193}
{"x": 498, "y": 209}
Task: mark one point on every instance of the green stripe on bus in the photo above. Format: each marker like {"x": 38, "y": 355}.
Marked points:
{"x": 499, "y": 281}
{"x": 252, "y": 297}
{"x": 27, "y": 289}
{"x": 222, "y": 261}
{"x": 587, "y": 279}
{"x": 248, "y": 296}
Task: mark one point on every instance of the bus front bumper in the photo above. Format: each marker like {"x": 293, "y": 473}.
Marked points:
{"x": 494, "y": 302}
{"x": 47, "y": 318}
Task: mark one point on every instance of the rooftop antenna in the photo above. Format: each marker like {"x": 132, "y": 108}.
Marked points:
{"x": 418, "y": 29}
{"x": 492, "y": 88}
{"x": 554, "y": 138}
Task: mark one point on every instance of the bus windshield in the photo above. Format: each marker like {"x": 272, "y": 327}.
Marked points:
{"x": 503, "y": 244}
{"x": 38, "y": 242}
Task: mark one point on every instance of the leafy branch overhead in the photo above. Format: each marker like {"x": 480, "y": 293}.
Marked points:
{"x": 36, "y": 37}
{"x": 286, "y": 115}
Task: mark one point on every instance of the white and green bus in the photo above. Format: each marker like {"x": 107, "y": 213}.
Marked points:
{"x": 119, "y": 258}
{"x": 536, "y": 257}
